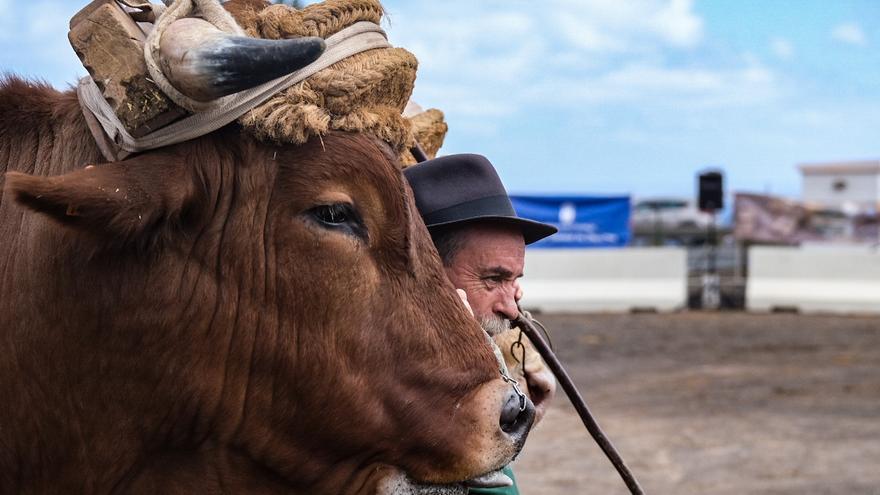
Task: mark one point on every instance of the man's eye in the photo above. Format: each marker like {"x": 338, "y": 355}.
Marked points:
{"x": 334, "y": 214}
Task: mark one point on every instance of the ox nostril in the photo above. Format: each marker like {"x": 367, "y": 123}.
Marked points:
{"x": 516, "y": 421}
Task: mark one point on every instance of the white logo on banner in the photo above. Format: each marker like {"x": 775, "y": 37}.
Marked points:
{"x": 567, "y": 213}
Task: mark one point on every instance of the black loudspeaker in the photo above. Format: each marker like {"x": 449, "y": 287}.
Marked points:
{"x": 711, "y": 191}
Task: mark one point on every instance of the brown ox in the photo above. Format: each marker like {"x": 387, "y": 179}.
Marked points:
{"x": 229, "y": 316}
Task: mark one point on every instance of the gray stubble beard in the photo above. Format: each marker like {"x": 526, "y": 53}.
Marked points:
{"x": 493, "y": 324}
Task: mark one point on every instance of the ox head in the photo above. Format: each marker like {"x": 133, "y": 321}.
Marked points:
{"x": 267, "y": 314}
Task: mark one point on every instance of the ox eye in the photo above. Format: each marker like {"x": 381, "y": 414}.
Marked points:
{"x": 333, "y": 214}
{"x": 339, "y": 216}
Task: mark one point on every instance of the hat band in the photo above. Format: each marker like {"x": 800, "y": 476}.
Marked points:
{"x": 488, "y": 206}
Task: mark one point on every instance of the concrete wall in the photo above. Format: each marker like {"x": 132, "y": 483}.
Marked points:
{"x": 605, "y": 280}
{"x": 814, "y": 280}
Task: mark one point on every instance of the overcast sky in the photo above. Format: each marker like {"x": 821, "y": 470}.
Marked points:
{"x": 609, "y": 96}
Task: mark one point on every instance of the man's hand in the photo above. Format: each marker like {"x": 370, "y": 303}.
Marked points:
{"x": 534, "y": 376}
{"x": 463, "y": 295}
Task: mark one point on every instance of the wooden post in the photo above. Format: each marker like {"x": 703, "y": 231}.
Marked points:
{"x": 111, "y": 46}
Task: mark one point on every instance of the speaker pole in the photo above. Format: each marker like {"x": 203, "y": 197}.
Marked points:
{"x": 711, "y": 280}
{"x": 711, "y": 199}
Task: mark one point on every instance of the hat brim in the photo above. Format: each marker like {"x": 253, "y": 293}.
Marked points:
{"x": 532, "y": 231}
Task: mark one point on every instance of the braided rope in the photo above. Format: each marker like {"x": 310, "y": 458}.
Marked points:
{"x": 322, "y": 20}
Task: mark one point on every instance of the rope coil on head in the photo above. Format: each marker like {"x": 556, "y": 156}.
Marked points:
{"x": 352, "y": 40}
{"x": 196, "y": 60}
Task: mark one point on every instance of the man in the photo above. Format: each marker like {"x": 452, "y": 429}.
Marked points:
{"x": 481, "y": 242}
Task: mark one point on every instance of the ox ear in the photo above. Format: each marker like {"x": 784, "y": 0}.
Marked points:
{"x": 127, "y": 201}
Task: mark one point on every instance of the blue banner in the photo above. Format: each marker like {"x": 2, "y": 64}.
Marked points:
{"x": 583, "y": 221}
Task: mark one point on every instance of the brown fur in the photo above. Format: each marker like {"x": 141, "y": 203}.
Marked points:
{"x": 178, "y": 322}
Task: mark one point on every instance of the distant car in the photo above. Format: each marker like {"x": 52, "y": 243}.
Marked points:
{"x": 668, "y": 214}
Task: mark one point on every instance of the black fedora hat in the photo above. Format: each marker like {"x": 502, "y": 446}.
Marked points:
{"x": 466, "y": 188}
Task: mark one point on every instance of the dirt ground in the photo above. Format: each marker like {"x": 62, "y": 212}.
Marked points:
{"x": 714, "y": 403}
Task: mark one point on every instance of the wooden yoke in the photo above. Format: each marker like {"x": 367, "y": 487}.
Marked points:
{"x": 110, "y": 45}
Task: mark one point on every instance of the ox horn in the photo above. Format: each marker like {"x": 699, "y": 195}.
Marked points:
{"x": 205, "y": 63}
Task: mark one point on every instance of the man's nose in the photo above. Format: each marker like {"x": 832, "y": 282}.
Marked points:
{"x": 505, "y": 306}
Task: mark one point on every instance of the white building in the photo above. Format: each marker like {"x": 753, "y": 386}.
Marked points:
{"x": 848, "y": 186}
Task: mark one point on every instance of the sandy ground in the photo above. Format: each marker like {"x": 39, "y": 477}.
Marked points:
{"x": 714, "y": 403}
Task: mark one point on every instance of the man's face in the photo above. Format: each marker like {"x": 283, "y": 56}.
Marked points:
{"x": 486, "y": 266}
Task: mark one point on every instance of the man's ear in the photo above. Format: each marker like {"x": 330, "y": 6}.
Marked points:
{"x": 124, "y": 201}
